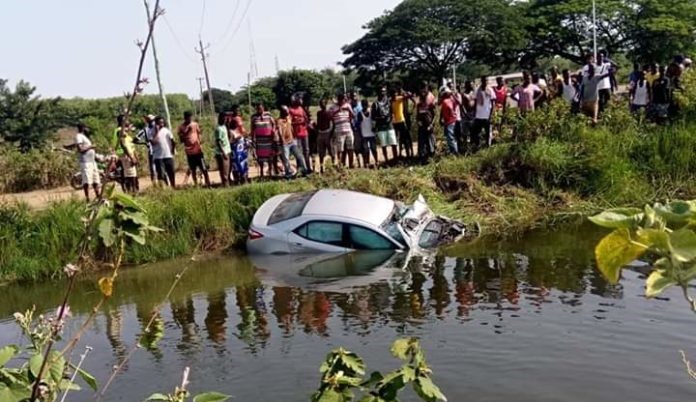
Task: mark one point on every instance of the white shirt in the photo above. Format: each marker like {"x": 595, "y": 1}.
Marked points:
{"x": 606, "y": 82}
{"x": 83, "y": 142}
{"x": 640, "y": 94}
{"x": 569, "y": 92}
{"x": 162, "y": 149}
{"x": 366, "y": 126}
{"x": 483, "y": 111}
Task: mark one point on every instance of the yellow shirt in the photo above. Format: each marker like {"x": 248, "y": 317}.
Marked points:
{"x": 650, "y": 77}
{"x": 398, "y": 109}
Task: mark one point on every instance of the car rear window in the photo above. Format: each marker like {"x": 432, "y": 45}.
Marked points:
{"x": 290, "y": 207}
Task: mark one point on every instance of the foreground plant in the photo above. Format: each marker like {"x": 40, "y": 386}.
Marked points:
{"x": 343, "y": 373}
{"x": 664, "y": 231}
{"x": 181, "y": 394}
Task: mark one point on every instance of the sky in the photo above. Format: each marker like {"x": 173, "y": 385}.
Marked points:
{"x": 87, "y": 48}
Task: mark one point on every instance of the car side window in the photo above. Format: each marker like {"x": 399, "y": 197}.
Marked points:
{"x": 361, "y": 238}
{"x": 322, "y": 232}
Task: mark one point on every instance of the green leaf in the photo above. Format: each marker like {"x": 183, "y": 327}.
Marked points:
{"x": 87, "y": 378}
{"x": 409, "y": 373}
{"x": 352, "y": 381}
{"x": 354, "y": 362}
{"x": 391, "y": 384}
{"x": 137, "y": 217}
{"x": 374, "y": 379}
{"x": 653, "y": 238}
{"x": 137, "y": 237}
{"x": 211, "y": 397}
{"x": 35, "y": 364}
{"x": 106, "y": 232}
{"x": 658, "y": 281}
{"x": 675, "y": 211}
{"x": 427, "y": 390}
{"x": 615, "y": 251}
{"x": 56, "y": 366}
{"x": 400, "y": 348}
{"x": 157, "y": 397}
{"x": 7, "y": 353}
{"x": 126, "y": 201}
{"x": 14, "y": 393}
{"x": 683, "y": 244}
{"x": 329, "y": 395}
{"x": 66, "y": 384}
{"x": 618, "y": 218}
{"x": 106, "y": 285}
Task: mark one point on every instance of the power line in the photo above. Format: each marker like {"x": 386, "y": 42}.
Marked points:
{"x": 178, "y": 41}
{"x": 239, "y": 25}
{"x": 200, "y": 29}
{"x": 228, "y": 28}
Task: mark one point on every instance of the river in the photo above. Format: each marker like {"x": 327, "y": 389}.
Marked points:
{"x": 515, "y": 320}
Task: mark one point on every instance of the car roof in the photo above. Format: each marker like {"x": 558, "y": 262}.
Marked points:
{"x": 350, "y": 204}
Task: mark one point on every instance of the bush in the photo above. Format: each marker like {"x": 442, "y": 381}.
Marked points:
{"x": 37, "y": 168}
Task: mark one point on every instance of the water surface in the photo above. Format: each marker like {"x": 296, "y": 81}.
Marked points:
{"x": 519, "y": 320}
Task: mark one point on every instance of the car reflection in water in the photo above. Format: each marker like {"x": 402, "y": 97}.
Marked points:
{"x": 336, "y": 273}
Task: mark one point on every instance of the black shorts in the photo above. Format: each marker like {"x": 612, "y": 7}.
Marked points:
{"x": 196, "y": 162}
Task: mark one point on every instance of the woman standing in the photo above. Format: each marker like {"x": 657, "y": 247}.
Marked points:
{"x": 640, "y": 94}
{"x": 262, "y": 130}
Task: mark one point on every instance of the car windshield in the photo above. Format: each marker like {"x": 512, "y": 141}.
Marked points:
{"x": 431, "y": 235}
{"x": 391, "y": 224}
{"x": 290, "y": 207}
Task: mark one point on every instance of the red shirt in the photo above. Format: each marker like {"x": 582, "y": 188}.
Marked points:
{"x": 447, "y": 111}
{"x": 299, "y": 121}
{"x": 190, "y": 136}
{"x": 500, "y": 96}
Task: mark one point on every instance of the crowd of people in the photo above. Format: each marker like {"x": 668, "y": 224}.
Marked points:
{"x": 352, "y": 131}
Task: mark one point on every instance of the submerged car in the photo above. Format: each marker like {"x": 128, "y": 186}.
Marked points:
{"x": 339, "y": 221}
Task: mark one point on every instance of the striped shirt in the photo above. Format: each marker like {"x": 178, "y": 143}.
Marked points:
{"x": 341, "y": 118}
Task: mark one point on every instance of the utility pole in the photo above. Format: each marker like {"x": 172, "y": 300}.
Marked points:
{"x": 277, "y": 64}
{"x": 200, "y": 102}
{"x": 163, "y": 97}
{"x": 594, "y": 28}
{"x": 249, "y": 90}
{"x": 202, "y": 50}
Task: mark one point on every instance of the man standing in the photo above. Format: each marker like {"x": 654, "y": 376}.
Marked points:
{"x": 526, "y": 94}
{"x": 398, "y": 105}
{"x": 382, "y": 116}
{"x": 143, "y": 138}
{"x": 289, "y": 143}
{"x": 223, "y": 150}
{"x": 448, "y": 119}
{"x": 485, "y": 102}
{"x": 342, "y": 116}
{"x": 357, "y": 133}
{"x": 129, "y": 160}
{"x": 163, "y": 152}
{"x": 300, "y": 123}
{"x": 88, "y": 164}
{"x": 324, "y": 129}
{"x": 425, "y": 116}
{"x": 604, "y": 68}
{"x": 661, "y": 97}
{"x": 190, "y": 136}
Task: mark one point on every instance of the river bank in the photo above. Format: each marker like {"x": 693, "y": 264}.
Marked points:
{"x": 556, "y": 168}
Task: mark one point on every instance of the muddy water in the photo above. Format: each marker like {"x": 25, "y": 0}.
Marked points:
{"x": 524, "y": 320}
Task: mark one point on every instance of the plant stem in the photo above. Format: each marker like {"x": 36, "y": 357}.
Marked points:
{"x": 153, "y": 316}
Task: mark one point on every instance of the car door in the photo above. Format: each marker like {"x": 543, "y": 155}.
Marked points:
{"x": 318, "y": 236}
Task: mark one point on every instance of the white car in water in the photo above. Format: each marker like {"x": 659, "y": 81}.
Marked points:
{"x": 339, "y": 221}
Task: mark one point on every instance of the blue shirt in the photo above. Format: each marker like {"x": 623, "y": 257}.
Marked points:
{"x": 357, "y": 110}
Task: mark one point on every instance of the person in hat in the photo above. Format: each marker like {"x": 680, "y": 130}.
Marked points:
{"x": 87, "y": 160}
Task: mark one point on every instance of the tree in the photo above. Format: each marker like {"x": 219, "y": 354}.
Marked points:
{"x": 648, "y": 30}
{"x": 662, "y": 29}
{"x": 25, "y": 119}
{"x": 223, "y": 99}
{"x": 311, "y": 84}
{"x": 261, "y": 91}
{"x": 430, "y": 36}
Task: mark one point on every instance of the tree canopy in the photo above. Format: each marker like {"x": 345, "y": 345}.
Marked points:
{"x": 25, "y": 119}
{"x": 430, "y": 36}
